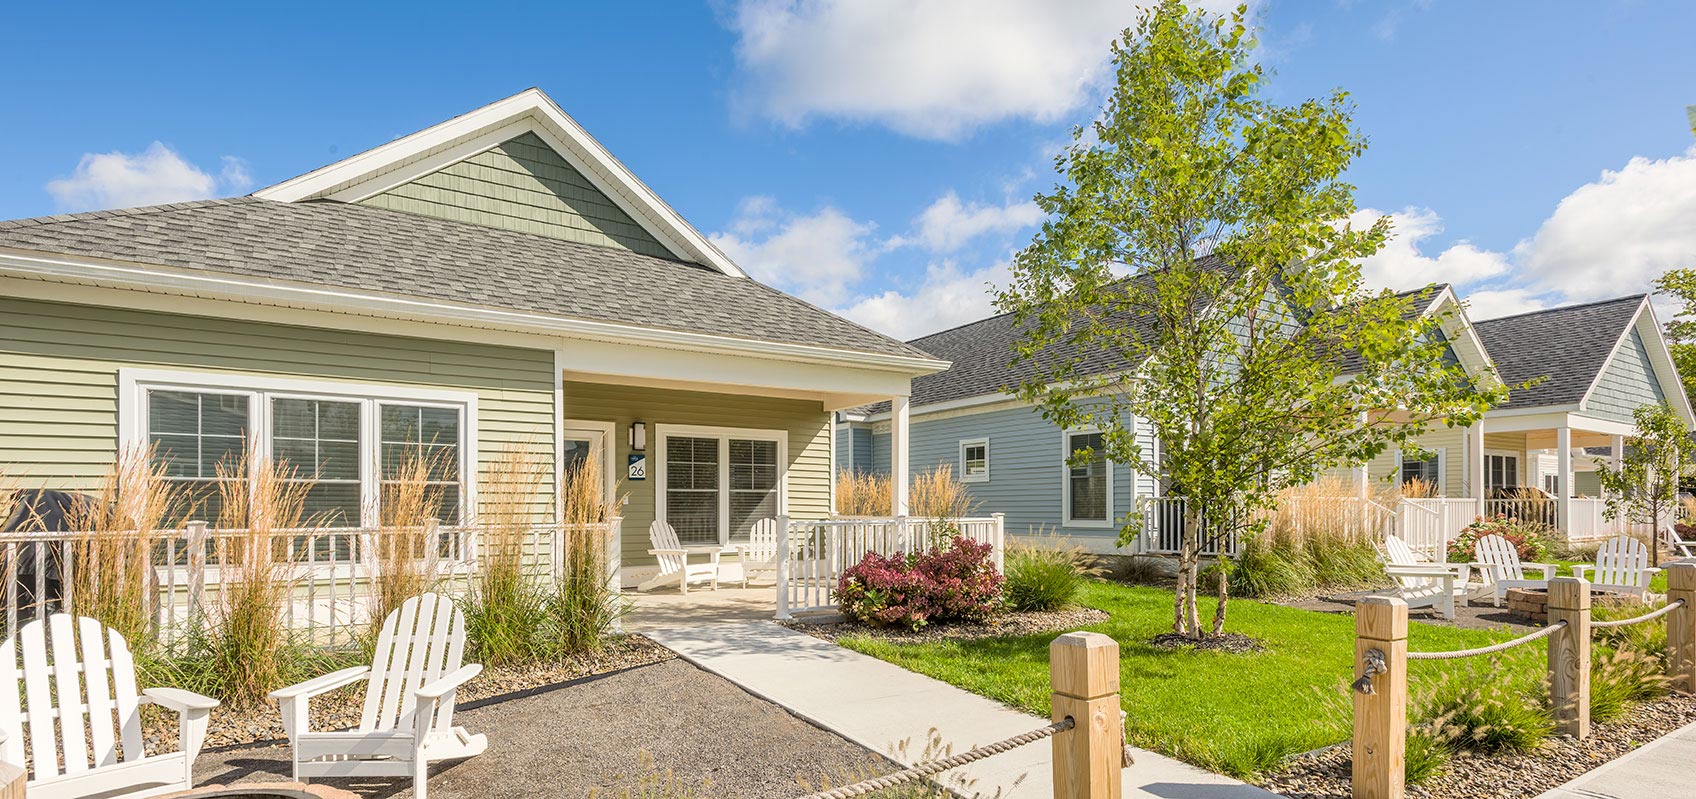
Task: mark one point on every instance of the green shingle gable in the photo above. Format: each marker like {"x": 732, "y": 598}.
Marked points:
{"x": 523, "y": 185}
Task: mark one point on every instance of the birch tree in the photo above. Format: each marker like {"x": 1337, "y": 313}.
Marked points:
{"x": 1198, "y": 276}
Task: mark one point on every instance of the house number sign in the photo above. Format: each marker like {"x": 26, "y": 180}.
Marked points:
{"x": 638, "y": 466}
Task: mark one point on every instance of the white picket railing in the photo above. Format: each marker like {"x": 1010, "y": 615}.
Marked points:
{"x": 814, "y": 554}
{"x": 1428, "y": 524}
{"x": 330, "y": 576}
{"x": 1163, "y": 522}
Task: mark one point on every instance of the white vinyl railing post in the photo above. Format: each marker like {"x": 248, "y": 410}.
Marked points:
{"x": 999, "y": 542}
{"x": 197, "y": 538}
{"x": 784, "y": 556}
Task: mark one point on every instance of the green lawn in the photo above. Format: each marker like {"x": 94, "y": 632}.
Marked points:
{"x": 1236, "y": 714}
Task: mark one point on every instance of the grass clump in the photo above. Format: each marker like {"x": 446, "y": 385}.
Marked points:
{"x": 1317, "y": 541}
{"x": 406, "y": 539}
{"x": 1490, "y": 708}
{"x": 1428, "y": 755}
{"x": 1044, "y": 576}
{"x": 863, "y": 494}
{"x": 585, "y": 605}
{"x": 113, "y": 581}
{"x": 505, "y": 610}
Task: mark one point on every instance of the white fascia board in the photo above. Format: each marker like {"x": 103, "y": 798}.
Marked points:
{"x": 1483, "y": 363}
{"x": 531, "y": 110}
{"x": 313, "y": 297}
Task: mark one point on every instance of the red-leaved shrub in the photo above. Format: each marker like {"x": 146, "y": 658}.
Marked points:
{"x": 912, "y": 590}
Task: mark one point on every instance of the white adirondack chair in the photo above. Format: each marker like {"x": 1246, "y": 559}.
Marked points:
{"x": 759, "y": 555}
{"x": 407, "y": 722}
{"x": 674, "y": 561}
{"x": 1685, "y": 547}
{"x": 1498, "y": 562}
{"x": 1622, "y": 566}
{"x": 1421, "y": 583}
{"x": 88, "y": 702}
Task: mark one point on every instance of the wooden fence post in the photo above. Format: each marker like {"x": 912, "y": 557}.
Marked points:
{"x": 1380, "y": 698}
{"x": 1681, "y": 626}
{"x": 1569, "y": 656}
{"x": 1083, "y": 670}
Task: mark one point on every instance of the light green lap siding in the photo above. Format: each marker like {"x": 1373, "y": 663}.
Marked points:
{"x": 522, "y": 185}
{"x": 59, "y": 379}
{"x": 807, "y": 423}
{"x": 1628, "y": 382}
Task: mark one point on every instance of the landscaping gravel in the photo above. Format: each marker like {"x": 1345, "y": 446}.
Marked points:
{"x": 340, "y": 710}
{"x": 1325, "y": 774}
{"x": 626, "y": 733}
{"x": 1017, "y": 623}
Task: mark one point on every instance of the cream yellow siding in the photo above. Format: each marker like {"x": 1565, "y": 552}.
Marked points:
{"x": 808, "y": 445}
{"x": 59, "y": 379}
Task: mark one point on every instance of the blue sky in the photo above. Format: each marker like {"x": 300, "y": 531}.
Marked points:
{"x": 878, "y": 157}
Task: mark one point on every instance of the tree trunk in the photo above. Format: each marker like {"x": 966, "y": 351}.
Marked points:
{"x": 1224, "y": 596}
{"x": 1192, "y": 611}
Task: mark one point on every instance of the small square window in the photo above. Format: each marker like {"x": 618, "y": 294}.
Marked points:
{"x": 974, "y": 461}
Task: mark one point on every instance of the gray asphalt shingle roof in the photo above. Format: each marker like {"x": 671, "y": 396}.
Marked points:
{"x": 372, "y": 249}
{"x": 982, "y": 356}
{"x": 1567, "y": 345}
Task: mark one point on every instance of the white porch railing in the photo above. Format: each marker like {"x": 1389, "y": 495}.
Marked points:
{"x": 1429, "y": 524}
{"x": 1163, "y": 522}
{"x": 814, "y": 554}
{"x": 331, "y": 575}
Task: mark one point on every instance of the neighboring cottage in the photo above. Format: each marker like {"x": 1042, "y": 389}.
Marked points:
{"x": 1598, "y": 361}
{"x": 497, "y": 280}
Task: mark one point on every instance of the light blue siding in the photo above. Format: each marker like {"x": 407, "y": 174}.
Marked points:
{"x": 854, "y": 449}
{"x": 1026, "y": 469}
{"x": 1628, "y": 382}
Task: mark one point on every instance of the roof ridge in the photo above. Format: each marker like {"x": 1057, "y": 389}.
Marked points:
{"x": 109, "y": 213}
{"x": 1573, "y": 307}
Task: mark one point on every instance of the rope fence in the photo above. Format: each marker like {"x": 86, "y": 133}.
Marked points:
{"x": 1650, "y": 616}
{"x": 1381, "y": 676}
{"x": 1088, "y": 731}
{"x": 1504, "y": 646}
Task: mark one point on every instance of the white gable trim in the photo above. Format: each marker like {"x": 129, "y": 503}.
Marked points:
{"x": 1660, "y": 357}
{"x": 1463, "y": 337}
{"x": 410, "y": 157}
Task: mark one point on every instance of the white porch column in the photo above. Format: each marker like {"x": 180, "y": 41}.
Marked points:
{"x": 1563, "y": 479}
{"x": 898, "y": 454}
{"x": 1475, "y": 463}
{"x": 1360, "y": 473}
{"x": 1618, "y": 449}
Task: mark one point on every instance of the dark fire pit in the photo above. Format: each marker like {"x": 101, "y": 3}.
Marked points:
{"x": 1532, "y": 604}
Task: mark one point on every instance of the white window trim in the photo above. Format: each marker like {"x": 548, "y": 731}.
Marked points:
{"x": 1442, "y": 469}
{"x": 974, "y": 442}
{"x": 1519, "y": 466}
{"x": 723, "y": 434}
{"x": 609, "y": 452}
{"x": 1066, "y": 482}
{"x": 133, "y": 385}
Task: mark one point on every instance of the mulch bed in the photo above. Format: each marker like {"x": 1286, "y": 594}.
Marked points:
{"x": 341, "y": 709}
{"x": 1325, "y": 774}
{"x": 1230, "y": 643}
{"x": 1007, "y": 624}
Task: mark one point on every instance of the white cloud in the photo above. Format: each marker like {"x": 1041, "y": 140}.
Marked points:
{"x": 1607, "y": 238}
{"x": 1491, "y": 303}
{"x": 151, "y": 177}
{"x": 1400, "y": 264}
{"x": 818, "y": 257}
{"x": 948, "y": 224}
{"x": 947, "y": 297}
{"x": 933, "y": 69}
{"x": 1616, "y": 234}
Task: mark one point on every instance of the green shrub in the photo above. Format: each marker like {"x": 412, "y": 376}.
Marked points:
{"x": 1284, "y": 565}
{"x": 1491, "y": 708}
{"x": 1044, "y": 576}
{"x": 1527, "y": 539}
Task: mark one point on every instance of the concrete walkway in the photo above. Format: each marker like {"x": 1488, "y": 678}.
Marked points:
{"x": 1658, "y": 770}
{"x": 879, "y": 705}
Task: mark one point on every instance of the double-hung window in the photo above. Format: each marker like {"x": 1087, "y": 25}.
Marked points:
{"x": 715, "y": 483}
{"x": 1425, "y": 473}
{"x": 974, "y": 460}
{"x": 343, "y": 445}
{"x": 1089, "y": 480}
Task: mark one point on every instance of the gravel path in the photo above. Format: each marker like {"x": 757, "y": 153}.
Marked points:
{"x": 1325, "y": 775}
{"x": 609, "y": 734}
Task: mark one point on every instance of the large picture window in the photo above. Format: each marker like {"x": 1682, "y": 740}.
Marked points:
{"x": 345, "y": 442}
{"x": 1089, "y": 483}
{"x": 715, "y": 483}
